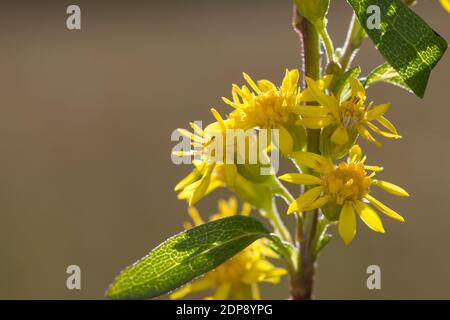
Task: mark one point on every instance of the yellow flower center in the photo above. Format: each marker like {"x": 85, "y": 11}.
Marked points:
{"x": 266, "y": 110}
{"x": 352, "y": 112}
{"x": 347, "y": 181}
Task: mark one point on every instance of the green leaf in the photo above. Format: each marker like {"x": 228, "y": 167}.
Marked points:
{"x": 323, "y": 242}
{"x": 322, "y": 238}
{"x": 385, "y": 73}
{"x": 186, "y": 256}
{"x": 407, "y": 43}
{"x": 285, "y": 249}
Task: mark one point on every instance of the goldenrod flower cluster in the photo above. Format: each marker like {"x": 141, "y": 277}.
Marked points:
{"x": 337, "y": 187}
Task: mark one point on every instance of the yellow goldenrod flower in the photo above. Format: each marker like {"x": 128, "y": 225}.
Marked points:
{"x": 267, "y": 106}
{"x": 346, "y": 113}
{"x": 204, "y": 179}
{"x": 446, "y": 4}
{"x": 217, "y": 163}
{"x": 237, "y": 278}
{"x": 347, "y": 185}
{"x": 209, "y": 173}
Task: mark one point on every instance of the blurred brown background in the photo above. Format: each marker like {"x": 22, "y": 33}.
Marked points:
{"x": 85, "y": 124}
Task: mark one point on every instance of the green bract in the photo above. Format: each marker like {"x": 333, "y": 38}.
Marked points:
{"x": 313, "y": 10}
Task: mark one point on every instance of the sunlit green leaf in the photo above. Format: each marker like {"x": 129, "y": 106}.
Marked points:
{"x": 407, "y": 43}
{"x": 385, "y": 73}
{"x": 186, "y": 256}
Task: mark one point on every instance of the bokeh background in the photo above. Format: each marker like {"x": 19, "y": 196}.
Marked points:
{"x": 85, "y": 124}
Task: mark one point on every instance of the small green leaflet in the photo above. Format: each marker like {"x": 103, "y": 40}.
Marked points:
{"x": 186, "y": 256}
{"x": 385, "y": 73}
{"x": 340, "y": 80}
{"x": 407, "y": 43}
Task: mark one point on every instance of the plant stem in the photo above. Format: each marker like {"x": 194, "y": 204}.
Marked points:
{"x": 277, "y": 223}
{"x": 302, "y": 283}
{"x": 328, "y": 43}
{"x": 354, "y": 40}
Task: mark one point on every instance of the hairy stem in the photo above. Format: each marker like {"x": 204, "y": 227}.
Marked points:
{"x": 354, "y": 40}
{"x": 303, "y": 282}
{"x": 328, "y": 44}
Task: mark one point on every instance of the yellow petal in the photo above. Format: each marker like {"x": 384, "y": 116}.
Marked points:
{"x": 251, "y": 83}
{"x": 255, "y": 292}
{"x": 383, "y": 133}
{"x": 300, "y": 178}
{"x": 366, "y": 135}
{"x": 246, "y": 209}
{"x": 190, "y": 135}
{"x": 230, "y": 174}
{"x": 213, "y": 185}
{"x": 219, "y": 119}
{"x": 232, "y": 205}
{"x": 307, "y": 96}
{"x": 446, "y": 5}
{"x": 315, "y": 123}
{"x": 324, "y": 100}
{"x": 196, "y": 128}
{"x": 355, "y": 153}
{"x": 319, "y": 203}
{"x": 202, "y": 187}
{"x": 195, "y": 286}
{"x": 195, "y": 216}
{"x": 187, "y": 225}
{"x": 230, "y": 103}
{"x": 369, "y": 216}
{"x": 274, "y": 276}
{"x": 305, "y": 199}
{"x": 357, "y": 88}
{"x": 222, "y": 291}
{"x": 377, "y": 111}
{"x": 244, "y": 94}
{"x": 325, "y": 81}
{"x": 290, "y": 81}
{"x": 373, "y": 168}
{"x": 340, "y": 136}
{"x": 190, "y": 178}
{"x": 286, "y": 142}
{"x": 310, "y": 111}
{"x": 347, "y": 223}
{"x": 391, "y": 188}
{"x": 308, "y": 159}
{"x": 387, "y": 124}
{"x": 266, "y": 85}
{"x": 180, "y": 293}
{"x": 383, "y": 208}
{"x": 184, "y": 194}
